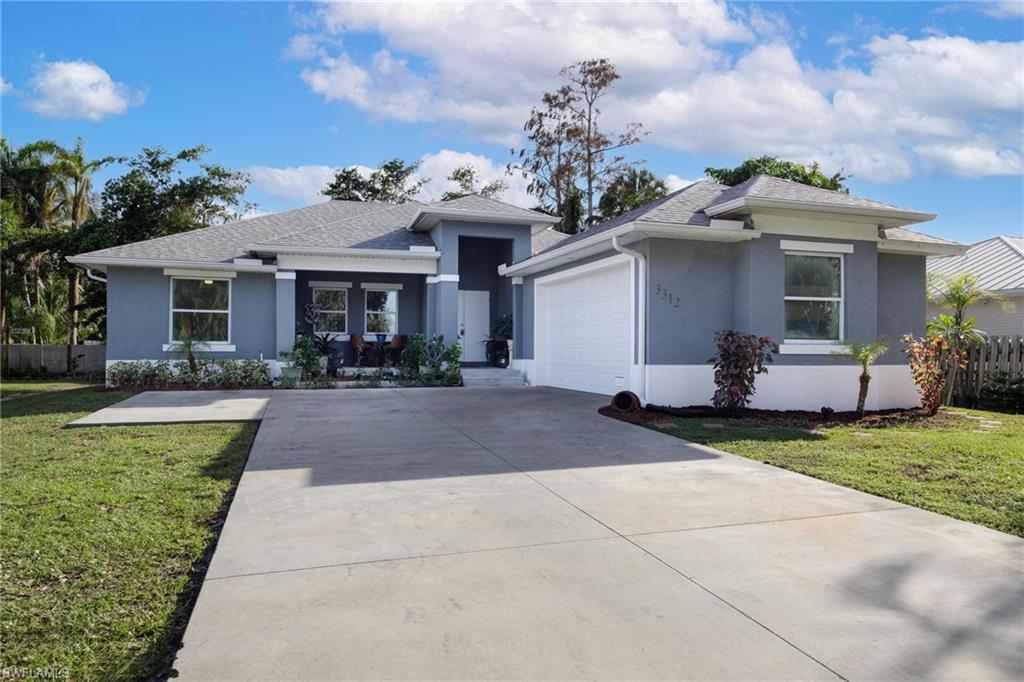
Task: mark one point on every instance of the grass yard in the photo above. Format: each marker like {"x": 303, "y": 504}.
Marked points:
{"x": 20, "y": 387}
{"x": 959, "y": 463}
{"x": 101, "y": 528}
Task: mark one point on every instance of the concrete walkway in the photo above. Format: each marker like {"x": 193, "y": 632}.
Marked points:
{"x": 481, "y": 533}
{"x": 175, "y": 407}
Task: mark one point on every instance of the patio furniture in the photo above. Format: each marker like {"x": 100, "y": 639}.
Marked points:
{"x": 395, "y": 348}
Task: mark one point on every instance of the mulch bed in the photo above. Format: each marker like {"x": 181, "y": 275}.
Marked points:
{"x": 191, "y": 387}
{"x": 657, "y": 413}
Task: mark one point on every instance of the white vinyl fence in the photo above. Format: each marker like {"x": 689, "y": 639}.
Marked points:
{"x": 30, "y": 358}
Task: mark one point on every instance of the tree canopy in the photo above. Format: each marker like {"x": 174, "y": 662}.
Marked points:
{"x": 630, "y": 189}
{"x": 388, "y": 183}
{"x": 788, "y": 170}
{"x": 468, "y": 180}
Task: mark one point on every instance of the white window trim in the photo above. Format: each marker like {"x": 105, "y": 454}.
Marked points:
{"x": 212, "y": 346}
{"x": 367, "y": 290}
{"x": 335, "y": 334}
{"x": 827, "y": 345}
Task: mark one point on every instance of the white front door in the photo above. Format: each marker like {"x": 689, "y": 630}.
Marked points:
{"x": 474, "y": 324}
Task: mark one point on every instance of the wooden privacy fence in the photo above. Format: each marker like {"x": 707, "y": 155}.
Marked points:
{"x": 31, "y": 358}
{"x": 998, "y": 353}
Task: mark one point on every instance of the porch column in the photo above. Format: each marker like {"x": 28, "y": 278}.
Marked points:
{"x": 517, "y": 318}
{"x": 285, "y": 310}
{"x": 430, "y": 309}
{"x": 445, "y": 314}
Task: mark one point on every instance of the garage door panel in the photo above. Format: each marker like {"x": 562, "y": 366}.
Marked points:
{"x": 586, "y": 335}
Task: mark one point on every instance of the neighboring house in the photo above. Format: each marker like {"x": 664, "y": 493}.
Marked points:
{"x": 998, "y": 265}
{"x": 632, "y": 303}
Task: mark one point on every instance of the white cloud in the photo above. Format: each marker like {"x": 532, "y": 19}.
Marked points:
{"x": 972, "y": 160}
{"x": 302, "y": 185}
{"x": 79, "y": 89}
{"x": 5, "y": 87}
{"x": 673, "y": 182}
{"x": 483, "y": 66}
{"x": 1002, "y": 10}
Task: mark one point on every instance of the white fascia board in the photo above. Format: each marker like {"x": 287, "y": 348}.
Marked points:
{"x": 638, "y": 230}
{"x": 895, "y": 215}
{"x": 920, "y": 248}
{"x": 346, "y": 251}
{"x": 102, "y": 262}
{"x": 345, "y": 263}
{"x": 478, "y": 216}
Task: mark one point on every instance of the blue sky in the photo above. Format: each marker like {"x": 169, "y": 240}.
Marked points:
{"x": 922, "y": 102}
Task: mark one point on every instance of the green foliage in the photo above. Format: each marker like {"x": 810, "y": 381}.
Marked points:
{"x": 208, "y": 373}
{"x": 570, "y": 211}
{"x": 741, "y": 357}
{"x": 102, "y": 530}
{"x": 321, "y": 381}
{"x": 304, "y": 355}
{"x": 388, "y": 183}
{"x": 503, "y": 327}
{"x": 431, "y": 362}
{"x": 1003, "y": 391}
{"x": 864, "y": 354}
{"x": 630, "y": 190}
{"x": 956, "y": 293}
{"x": 778, "y": 168}
{"x": 468, "y": 180}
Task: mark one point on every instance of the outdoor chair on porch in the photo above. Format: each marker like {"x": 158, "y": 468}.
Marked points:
{"x": 395, "y": 348}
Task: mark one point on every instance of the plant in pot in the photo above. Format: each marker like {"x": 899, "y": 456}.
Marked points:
{"x": 497, "y": 344}
{"x": 327, "y": 357}
{"x": 303, "y": 360}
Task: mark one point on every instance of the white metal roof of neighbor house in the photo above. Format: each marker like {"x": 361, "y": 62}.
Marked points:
{"x": 998, "y": 263}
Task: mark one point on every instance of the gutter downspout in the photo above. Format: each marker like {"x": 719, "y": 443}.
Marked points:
{"x": 641, "y": 305}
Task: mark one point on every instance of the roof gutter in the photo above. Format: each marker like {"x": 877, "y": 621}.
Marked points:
{"x": 794, "y": 205}
{"x": 348, "y": 251}
{"x": 641, "y": 228}
{"x": 101, "y": 262}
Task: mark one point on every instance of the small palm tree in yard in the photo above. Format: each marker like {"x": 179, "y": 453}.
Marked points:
{"x": 957, "y": 293}
{"x": 189, "y": 347}
{"x": 865, "y": 354}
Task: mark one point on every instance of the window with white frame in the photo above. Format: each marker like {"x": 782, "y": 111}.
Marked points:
{"x": 333, "y": 305}
{"x": 381, "y": 311}
{"x": 200, "y": 309}
{"x": 814, "y": 297}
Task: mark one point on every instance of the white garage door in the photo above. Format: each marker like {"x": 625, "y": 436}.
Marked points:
{"x": 584, "y": 324}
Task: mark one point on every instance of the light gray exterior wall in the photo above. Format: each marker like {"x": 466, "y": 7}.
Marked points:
{"x": 410, "y": 301}
{"x": 478, "y": 271}
{"x": 698, "y": 288}
{"x": 138, "y": 315}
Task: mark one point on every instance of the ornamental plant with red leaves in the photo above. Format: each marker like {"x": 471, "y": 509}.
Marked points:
{"x": 741, "y": 357}
{"x": 930, "y": 359}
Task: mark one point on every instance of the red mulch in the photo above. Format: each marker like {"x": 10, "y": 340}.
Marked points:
{"x": 656, "y": 413}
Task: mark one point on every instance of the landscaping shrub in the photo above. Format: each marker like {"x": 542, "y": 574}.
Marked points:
{"x": 929, "y": 359}
{"x": 208, "y": 373}
{"x": 431, "y": 362}
{"x": 1003, "y": 392}
{"x": 741, "y": 357}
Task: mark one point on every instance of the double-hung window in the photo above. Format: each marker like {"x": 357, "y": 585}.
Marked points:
{"x": 814, "y": 297}
{"x": 381, "y": 311}
{"x": 333, "y": 305}
{"x": 200, "y": 309}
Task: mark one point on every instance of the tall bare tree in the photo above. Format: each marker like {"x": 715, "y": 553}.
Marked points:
{"x": 590, "y": 80}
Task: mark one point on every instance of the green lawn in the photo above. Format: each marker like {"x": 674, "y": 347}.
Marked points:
{"x": 949, "y": 464}
{"x": 19, "y": 387}
{"x": 100, "y": 529}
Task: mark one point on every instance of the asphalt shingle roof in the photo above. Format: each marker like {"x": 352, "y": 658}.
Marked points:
{"x": 904, "y": 235}
{"x": 768, "y": 187}
{"x": 331, "y": 224}
{"x": 998, "y": 263}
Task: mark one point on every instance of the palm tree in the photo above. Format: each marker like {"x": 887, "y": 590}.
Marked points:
{"x": 865, "y": 354}
{"x": 956, "y": 293}
{"x": 76, "y": 173}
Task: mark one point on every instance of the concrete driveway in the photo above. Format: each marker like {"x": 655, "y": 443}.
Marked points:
{"x": 485, "y": 533}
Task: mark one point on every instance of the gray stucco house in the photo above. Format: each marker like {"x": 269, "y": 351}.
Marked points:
{"x": 632, "y": 303}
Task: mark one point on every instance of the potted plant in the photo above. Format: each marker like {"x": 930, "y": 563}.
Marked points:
{"x": 497, "y": 344}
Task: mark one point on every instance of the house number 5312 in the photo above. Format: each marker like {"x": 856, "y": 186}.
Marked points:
{"x": 665, "y": 295}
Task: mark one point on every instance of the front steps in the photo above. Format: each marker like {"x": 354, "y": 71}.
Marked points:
{"x": 494, "y": 377}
